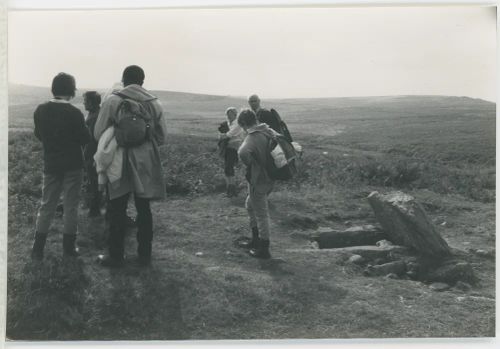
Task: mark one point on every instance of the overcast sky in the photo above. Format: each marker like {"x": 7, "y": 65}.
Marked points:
{"x": 284, "y": 52}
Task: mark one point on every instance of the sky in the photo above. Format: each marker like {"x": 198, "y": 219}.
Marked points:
{"x": 274, "y": 52}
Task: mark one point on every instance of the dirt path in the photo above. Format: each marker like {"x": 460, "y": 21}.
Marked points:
{"x": 202, "y": 287}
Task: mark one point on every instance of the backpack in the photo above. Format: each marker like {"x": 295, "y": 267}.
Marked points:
{"x": 133, "y": 125}
{"x": 223, "y": 127}
{"x": 280, "y": 163}
{"x": 283, "y": 127}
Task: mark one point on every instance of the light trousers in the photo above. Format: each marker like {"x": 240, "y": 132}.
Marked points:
{"x": 69, "y": 183}
{"x": 257, "y": 206}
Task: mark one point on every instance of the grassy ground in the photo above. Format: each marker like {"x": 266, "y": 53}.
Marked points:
{"x": 201, "y": 287}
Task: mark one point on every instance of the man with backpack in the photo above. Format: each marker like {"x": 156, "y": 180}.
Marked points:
{"x": 254, "y": 153}
{"x": 269, "y": 117}
{"x": 139, "y": 129}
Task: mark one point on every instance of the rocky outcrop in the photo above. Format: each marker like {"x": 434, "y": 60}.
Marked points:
{"x": 405, "y": 223}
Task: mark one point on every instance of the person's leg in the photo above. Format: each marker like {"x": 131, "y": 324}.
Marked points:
{"x": 93, "y": 192}
{"x": 229, "y": 163}
{"x": 260, "y": 205}
{"x": 144, "y": 229}
{"x": 72, "y": 185}
{"x": 253, "y": 224}
{"x": 51, "y": 190}
{"x": 117, "y": 211}
{"x": 107, "y": 210}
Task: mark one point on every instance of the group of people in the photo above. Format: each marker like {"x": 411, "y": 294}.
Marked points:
{"x": 117, "y": 146}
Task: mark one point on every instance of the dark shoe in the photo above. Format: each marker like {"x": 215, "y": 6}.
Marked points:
{"x": 141, "y": 261}
{"x": 69, "y": 248}
{"x": 231, "y": 191}
{"x": 262, "y": 250}
{"x": 94, "y": 213}
{"x": 251, "y": 243}
{"x": 144, "y": 250}
{"x": 38, "y": 246}
{"x": 106, "y": 261}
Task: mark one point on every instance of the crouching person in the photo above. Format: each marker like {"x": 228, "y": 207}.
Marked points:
{"x": 254, "y": 153}
{"x": 61, "y": 128}
{"x": 139, "y": 129}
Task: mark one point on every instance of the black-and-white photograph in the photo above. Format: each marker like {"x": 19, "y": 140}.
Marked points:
{"x": 251, "y": 173}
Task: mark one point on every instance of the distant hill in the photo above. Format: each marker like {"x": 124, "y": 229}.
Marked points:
{"x": 190, "y": 107}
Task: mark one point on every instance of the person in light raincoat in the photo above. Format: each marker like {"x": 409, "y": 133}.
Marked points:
{"x": 142, "y": 173}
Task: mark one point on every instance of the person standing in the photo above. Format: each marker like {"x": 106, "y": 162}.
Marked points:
{"x": 264, "y": 115}
{"x": 92, "y": 104}
{"x": 254, "y": 153}
{"x": 232, "y": 140}
{"x": 142, "y": 173}
{"x": 269, "y": 117}
{"x": 61, "y": 128}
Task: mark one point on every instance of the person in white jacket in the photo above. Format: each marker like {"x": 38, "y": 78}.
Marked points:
{"x": 233, "y": 137}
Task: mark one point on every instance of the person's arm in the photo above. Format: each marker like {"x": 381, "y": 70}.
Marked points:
{"x": 36, "y": 117}
{"x": 161, "y": 125}
{"x": 234, "y": 130}
{"x": 106, "y": 116}
{"x": 82, "y": 131}
{"x": 274, "y": 121}
{"x": 245, "y": 155}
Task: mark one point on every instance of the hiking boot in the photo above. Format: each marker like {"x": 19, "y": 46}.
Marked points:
{"x": 69, "y": 248}
{"x": 261, "y": 251}
{"x": 94, "y": 213}
{"x": 144, "y": 254}
{"x": 142, "y": 261}
{"x": 38, "y": 246}
{"x": 231, "y": 191}
{"x": 253, "y": 243}
{"x": 108, "y": 262}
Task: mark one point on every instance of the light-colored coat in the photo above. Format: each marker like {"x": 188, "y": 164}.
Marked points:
{"x": 109, "y": 159}
{"x": 142, "y": 170}
{"x": 235, "y": 134}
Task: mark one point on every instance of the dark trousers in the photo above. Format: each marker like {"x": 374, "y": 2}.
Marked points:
{"x": 93, "y": 194}
{"x": 117, "y": 209}
{"x": 230, "y": 160}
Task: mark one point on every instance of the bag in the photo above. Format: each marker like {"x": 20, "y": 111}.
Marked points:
{"x": 281, "y": 160}
{"x": 283, "y": 126}
{"x": 133, "y": 125}
{"x": 223, "y": 127}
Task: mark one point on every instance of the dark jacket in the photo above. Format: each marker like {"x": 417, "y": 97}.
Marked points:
{"x": 61, "y": 128}
{"x": 91, "y": 147}
{"x": 254, "y": 153}
{"x": 267, "y": 117}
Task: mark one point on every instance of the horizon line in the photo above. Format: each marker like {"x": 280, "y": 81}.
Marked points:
{"x": 269, "y": 98}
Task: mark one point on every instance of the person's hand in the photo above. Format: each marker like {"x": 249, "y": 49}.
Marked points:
{"x": 101, "y": 187}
